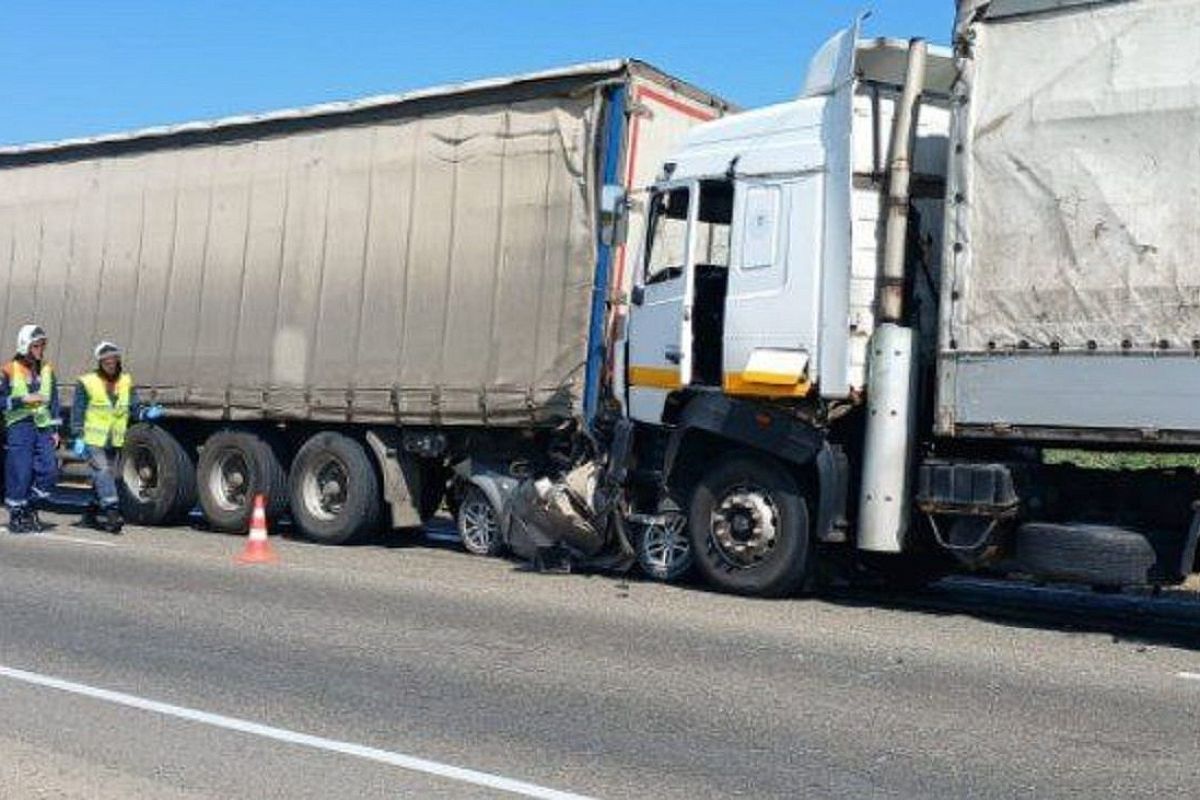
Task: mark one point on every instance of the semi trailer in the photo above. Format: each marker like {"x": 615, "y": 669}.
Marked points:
{"x": 336, "y": 304}
{"x": 866, "y": 323}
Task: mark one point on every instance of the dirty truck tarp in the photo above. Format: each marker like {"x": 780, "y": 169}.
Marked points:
{"x": 421, "y": 268}
{"x": 1082, "y": 177}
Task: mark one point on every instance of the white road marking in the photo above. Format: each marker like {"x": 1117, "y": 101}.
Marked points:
{"x": 58, "y": 537}
{"x": 1189, "y": 676}
{"x": 411, "y": 763}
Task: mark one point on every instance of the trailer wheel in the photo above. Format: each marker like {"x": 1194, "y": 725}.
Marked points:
{"x": 333, "y": 490}
{"x": 478, "y": 523}
{"x": 234, "y": 467}
{"x": 749, "y": 528}
{"x": 158, "y": 477}
{"x": 664, "y": 551}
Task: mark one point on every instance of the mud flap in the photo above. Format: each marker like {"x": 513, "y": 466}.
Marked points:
{"x": 401, "y": 474}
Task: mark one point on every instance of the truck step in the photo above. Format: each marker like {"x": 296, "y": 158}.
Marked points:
{"x": 1099, "y": 555}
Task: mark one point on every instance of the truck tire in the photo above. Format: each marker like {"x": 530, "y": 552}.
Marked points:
{"x": 749, "y": 528}
{"x": 235, "y": 466}
{"x": 333, "y": 490}
{"x": 158, "y": 477}
{"x": 1096, "y": 555}
{"x": 478, "y": 523}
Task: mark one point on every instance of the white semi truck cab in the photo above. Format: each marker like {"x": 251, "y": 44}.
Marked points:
{"x": 755, "y": 304}
{"x": 789, "y": 334}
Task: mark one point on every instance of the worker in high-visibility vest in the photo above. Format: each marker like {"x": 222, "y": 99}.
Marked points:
{"x": 104, "y": 403}
{"x": 29, "y": 398}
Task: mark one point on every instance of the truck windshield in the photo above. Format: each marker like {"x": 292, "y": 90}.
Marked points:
{"x": 666, "y": 240}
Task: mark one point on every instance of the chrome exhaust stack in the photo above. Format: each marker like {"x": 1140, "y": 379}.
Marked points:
{"x": 892, "y": 379}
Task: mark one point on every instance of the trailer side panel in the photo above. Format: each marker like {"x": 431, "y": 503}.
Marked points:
{"x": 433, "y": 268}
{"x": 1073, "y": 251}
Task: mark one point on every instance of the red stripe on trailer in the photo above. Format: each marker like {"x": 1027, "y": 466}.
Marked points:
{"x": 643, "y": 93}
{"x": 671, "y": 102}
{"x": 639, "y": 94}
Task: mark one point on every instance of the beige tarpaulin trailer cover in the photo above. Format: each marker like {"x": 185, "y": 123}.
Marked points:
{"x": 1072, "y": 290}
{"x": 1085, "y": 178}
{"x": 421, "y": 258}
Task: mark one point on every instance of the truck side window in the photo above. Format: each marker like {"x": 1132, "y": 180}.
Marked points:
{"x": 667, "y": 235}
{"x": 715, "y": 218}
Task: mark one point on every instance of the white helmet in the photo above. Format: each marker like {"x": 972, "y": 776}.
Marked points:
{"x": 27, "y": 336}
{"x": 106, "y": 349}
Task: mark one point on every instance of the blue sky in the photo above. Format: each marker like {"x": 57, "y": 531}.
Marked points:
{"x": 80, "y": 67}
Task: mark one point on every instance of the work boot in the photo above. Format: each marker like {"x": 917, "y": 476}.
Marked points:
{"x": 35, "y": 522}
{"x": 19, "y": 521}
{"x": 113, "y": 523}
{"x": 90, "y": 519}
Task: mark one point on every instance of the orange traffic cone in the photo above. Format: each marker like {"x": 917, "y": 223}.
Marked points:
{"x": 258, "y": 546}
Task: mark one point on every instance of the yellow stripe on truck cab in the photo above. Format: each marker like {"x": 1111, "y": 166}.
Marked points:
{"x": 765, "y": 384}
{"x": 654, "y": 377}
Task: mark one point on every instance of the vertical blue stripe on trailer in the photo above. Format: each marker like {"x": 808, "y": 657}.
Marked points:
{"x": 614, "y": 138}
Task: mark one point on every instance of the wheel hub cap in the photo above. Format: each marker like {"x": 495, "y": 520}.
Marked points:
{"x": 324, "y": 489}
{"x": 228, "y": 483}
{"x": 140, "y": 473}
{"x": 744, "y": 526}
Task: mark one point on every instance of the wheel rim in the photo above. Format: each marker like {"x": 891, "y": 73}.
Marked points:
{"x": 477, "y": 524}
{"x": 665, "y": 545}
{"x": 229, "y": 481}
{"x": 745, "y": 525}
{"x": 324, "y": 488}
{"x": 139, "y": 473}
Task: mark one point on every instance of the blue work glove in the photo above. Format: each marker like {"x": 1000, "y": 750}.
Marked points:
{"x": 79, "y": 448}
{"x": 152, "y": 412}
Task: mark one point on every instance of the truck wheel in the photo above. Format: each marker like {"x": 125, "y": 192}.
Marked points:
{"x": 234, "y": 467}
{"x": 478, "y": 523}
{"x": 749, "y": 528}
{"x": 158, "y": 477}
{"x": 664, "y": 551}
{"x": 333, "y": 490}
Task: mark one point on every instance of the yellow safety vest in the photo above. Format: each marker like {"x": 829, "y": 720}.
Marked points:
{"x": 18, "y": 378}
{"x": 105, "y": 421}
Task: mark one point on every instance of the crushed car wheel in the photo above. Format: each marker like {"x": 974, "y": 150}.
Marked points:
{"x": 478, "y": 522}
{"x": 661, "y": 542}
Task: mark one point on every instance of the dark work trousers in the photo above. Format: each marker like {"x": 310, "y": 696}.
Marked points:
{"x": 30, "y": 466}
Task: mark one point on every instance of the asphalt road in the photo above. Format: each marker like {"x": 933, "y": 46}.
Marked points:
{"x": 140, "y": 666}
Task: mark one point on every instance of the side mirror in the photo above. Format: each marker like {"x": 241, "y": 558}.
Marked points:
{"x": 614, "y": 207}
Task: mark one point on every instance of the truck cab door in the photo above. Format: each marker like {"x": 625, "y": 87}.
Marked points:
{"x": 660, "y": 333}
{"x": 771, "y": 316}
